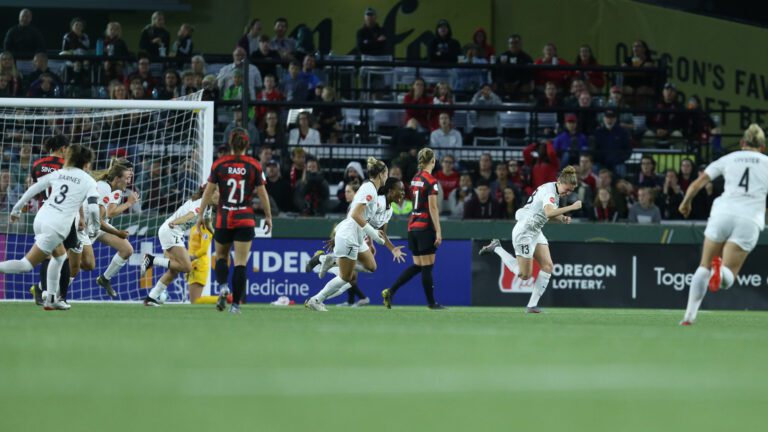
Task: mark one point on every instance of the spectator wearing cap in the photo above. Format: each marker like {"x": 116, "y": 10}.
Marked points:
{"x": 514, "y": 83}
{"x": 155, "y": 39}
{"x": 443, "y": 48}
{"x": 371, "y": 38}
{"x": 251, "y": 37}
{"x": 293, "y": 86}
{"x": 445, "y": 135}
{"x": 594, "y": 80}
{"x": 644, "y": 211}
{"x": 303, "y": 134}
{"x": 487, "y": 122}
{"x": 482, "y": 205}
{"x": 570, "y": 143}
{"x": 353, "y": 174}
{"x": 612, "y": 146}
{"x": 263, "y": 54}
{"x": 667, "y": 124}
{"x": 24, "y": 38}
{"x": 227, "y": 73}
{"x": 616, "y": 101}
{"x": 549, "y": 57}
{"x": 76, "y": 40}
{"x": 278, "y": 187}
{"x": 284, "y": 45}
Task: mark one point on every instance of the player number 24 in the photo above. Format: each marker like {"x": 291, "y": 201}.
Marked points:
{"x": 233, "y": 186}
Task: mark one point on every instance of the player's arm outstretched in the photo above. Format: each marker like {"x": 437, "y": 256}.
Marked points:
{"x": 693, "y": 189}
{"x": 261, "y": 191}
{"x": 37, "y": 188}
{"x": 397, "y": 251}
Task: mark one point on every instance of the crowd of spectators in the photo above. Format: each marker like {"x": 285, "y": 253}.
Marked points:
{"x": 284, "y": 68}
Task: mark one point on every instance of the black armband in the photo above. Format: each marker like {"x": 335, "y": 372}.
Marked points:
{"x": 93, "y": 200}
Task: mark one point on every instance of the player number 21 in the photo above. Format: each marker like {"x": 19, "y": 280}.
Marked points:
{"x": 233, "y": 186}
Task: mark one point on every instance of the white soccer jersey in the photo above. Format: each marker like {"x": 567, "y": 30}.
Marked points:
{"x": 746, "y": 185}
{"x": 188, "y": 207}
{"x": 532, "y": 214}
{"x": 365, "y": 195}
{"x": 383, "y": 214}
{"x": 69, "y": 188}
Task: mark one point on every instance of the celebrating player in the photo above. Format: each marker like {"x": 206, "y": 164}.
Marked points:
{"x": 236, "y": 176}
{"x": 171, "y": 235}
{"x": 111, "y": 185}
{"x": 424, "y": 232}
{"x": 70, "y": 186}
{"x": 528, "y": 240}
{"x": 349, "y": 243}
{"x": 391, "y": 192}
{"x": 736, "y": 219}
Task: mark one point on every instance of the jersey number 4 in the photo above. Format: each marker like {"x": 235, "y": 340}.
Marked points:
{"x": 744, "y": 182}
{"x": 233, "y": 186}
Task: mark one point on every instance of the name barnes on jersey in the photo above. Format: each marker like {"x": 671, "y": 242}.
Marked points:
{"x": 74, "y": 180}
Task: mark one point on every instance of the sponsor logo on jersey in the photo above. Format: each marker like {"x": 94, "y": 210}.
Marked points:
{"x": 47, "y": 169}
{"x": 117, "y": 195}
{"x": 197, "y": 209}
{"x": 435, "y": 187}
{"x": 552, "y": 200}
{"x": 106, "y": 200}
{"x": 368, "y": 198}
{"x": 417, "y": 183}
{"x": 236, "y": 170}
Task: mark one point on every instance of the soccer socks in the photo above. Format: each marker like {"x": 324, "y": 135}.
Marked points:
{"x": 54, "y": 274}
{"x": 114, "y": 266}
{"x": 404, "y": 277}
{"x": 542, "y": 280}
{"x": 64, "y": 279}
{"x": 158, "y": 289}
{"x": 330, "y": 288}
{"x": 16, "y": 266}
{"x": 507, "y": 259}
{"x": 162, "y": 262}
{"x": 238, "y": 284}
{"x": 222, "y": 273}
{"x": 726, "y": 277}
{"x": 428, "y": 283}
{"x": 361, "y": 268}
{"x": 340, "y": 291}
{"x": 353, "y": 291}
{"x": 44, "y": 274}
{"x": 696, "y": 292}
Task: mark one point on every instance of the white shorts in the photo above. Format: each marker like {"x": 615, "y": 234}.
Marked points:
{"x": 349, "y": 240}
{"x": 525, "y": 241}
{"x": 734, "y": 229}
{"x": 83, "y": 240}
{"x": 46, "y": 236}
{"x": 170, "y": 238}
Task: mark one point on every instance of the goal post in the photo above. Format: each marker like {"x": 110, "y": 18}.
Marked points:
{"x": 171, "y": 146}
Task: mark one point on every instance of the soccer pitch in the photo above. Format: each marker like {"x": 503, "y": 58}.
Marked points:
{"x": 117, "y": 367}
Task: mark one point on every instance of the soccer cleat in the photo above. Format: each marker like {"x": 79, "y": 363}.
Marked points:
{"x": 437, "y": 306}
{"x": 107, "y": 285}
{"x": 235, "y": 309}
{"x": 37, "y": 293}
{"x": 490, "y": 247}
{"x": 315, "y": 305}
{"x": 313, "y": 262}
{"x": 149, "y": 301}
{"x": 146, "y": 263}
{"x": 533, "y": 310}
{"x": 714, "y": 280}
{"x": 55, "y": 304}
{"x": 686, "y": 323}
{"x": 221, "y": 303}
{"x": 362, "y": 302}
{"x": 344, "y": 304}
{"x": 327, "y": 264}
{"x": 387, "y": 296}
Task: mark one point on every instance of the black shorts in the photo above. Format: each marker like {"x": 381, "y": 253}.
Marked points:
{"x": 422, "y": 242}
{"x": 229, "y": 235}
{"x": 71, "y": 242}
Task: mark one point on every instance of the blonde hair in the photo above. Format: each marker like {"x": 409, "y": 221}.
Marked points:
{"x": 375, "y": 167}
{"x": 754, "y": 136}
{"x": 116, "y": 169}
{"x": 425, "y": 156}
{"x": 568, "y": 176}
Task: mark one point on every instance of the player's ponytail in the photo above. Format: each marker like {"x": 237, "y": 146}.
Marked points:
{"x": 55, "y": 142}
{"x": 78, "y": 156}
{"x": 568, "y": 176}
{"x": 116, "y": 169}
{"x": 754, "y": 136}
{"x": 375, "y": 167}
{"x": 238, "y": 140}
{"x": 425, "y": 156}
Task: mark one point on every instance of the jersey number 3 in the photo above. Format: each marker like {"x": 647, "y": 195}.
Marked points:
{"x": 744, "y": 182}
{"x": 62, "y": 194}
{"x": 233, "y": 186}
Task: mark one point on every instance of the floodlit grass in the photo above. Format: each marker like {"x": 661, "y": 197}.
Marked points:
{"x": 116, "y": 367}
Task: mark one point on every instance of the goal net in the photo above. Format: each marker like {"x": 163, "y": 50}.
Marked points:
{"x": 169, "y": 143}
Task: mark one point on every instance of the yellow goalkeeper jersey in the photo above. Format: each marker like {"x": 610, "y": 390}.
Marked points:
{"x": 200, "y": 241}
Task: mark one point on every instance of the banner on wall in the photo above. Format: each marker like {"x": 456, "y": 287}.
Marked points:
{"x": 616, "y": 275}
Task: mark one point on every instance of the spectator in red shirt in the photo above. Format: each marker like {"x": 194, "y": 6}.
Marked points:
{"x": 595, "y": 80}
{"x": 443, "y": 96}
{"x": 447, "y": 176}
{"x": 560, "y": 78}
{"x": 587, "y": 175}
{"x": 542, "y": 159}
{"x": 604, "y": 209}
{"x": 417, "y": 95}
{"x": 484, "y": 49}
{"x": 268, "y": 93}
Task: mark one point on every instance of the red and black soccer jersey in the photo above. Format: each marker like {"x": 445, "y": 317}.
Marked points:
{"x": 422, "y": 186}
{"x": 43, "y": 167}
{"x": 237, "y": 178}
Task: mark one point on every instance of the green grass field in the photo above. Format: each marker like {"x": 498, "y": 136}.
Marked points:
{"x": 103, "y": 367}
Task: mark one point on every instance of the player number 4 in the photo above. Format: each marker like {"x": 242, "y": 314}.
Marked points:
{"x": 744, "y": 182}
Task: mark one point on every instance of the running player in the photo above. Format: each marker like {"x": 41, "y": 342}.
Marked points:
{"x": 111, "y": 185}
{"x": 171, "y": 234}
{"x": 236, "y": 176}
{"x": 424, "y": 232}
{"x": 70, "y": 186}
{"x": 391, "y": 192}
{"x": 528, "y": 240}
{"x": 736, "y": 218}
{"x": 349, "y": 242}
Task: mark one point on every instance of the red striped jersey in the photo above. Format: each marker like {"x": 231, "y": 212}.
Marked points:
{"x": 43, "y": 167}
{"x": 237, "y": 176}
{"x": 423, "y": 186}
